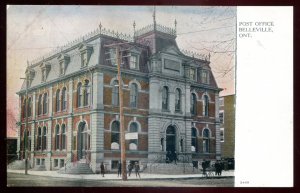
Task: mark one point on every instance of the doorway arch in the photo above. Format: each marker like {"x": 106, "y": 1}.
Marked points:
{"x": 83, "y": 144}
{"x": 170, "y": 141}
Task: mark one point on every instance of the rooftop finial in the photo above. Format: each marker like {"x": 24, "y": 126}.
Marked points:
{"x": 209, "y": 56}
{"x": 100, "y": 26}
{"x": 175, "y": 23}
{"x": 27, "y": 63}
{"x": 134, "y": 29}
{"x": 154, "y": 20}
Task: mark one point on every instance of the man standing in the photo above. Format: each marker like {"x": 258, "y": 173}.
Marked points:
{"x": 204, "y": 167}
{"x": 119, "y": 169}
{"x": 137, "y": 169}
{"x": 130, "y": 167}
{"x": 102, "y": 170}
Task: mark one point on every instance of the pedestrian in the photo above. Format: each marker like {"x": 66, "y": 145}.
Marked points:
{"x": 102, "y": 170}
{"x": 175, "y": 157}
{"x": 137, "y": 169}
{"x": 217, "y": 167}
{"x": 204, "y": 167}
{"x": 130, "y": 167}
{"x": 119, "y": 169}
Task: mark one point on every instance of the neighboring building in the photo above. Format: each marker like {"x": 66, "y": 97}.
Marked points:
{"x": 227, "y": 125}
{"x": 170, "y": 103}
{"x": 11, "y": 143}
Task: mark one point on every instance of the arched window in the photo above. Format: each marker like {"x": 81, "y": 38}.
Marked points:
{"x": 193, "y": 104}
{"x": 115, "y": 93}
{"x": 64, "y": 99}
{"x": 86, "y": 93}
{"x": 206, "y": 135}
{"x": 205, "y": 106}
{"x": 45, "y": 103}
{"x": 115, "y": 135}
{"x": 29, "y": 107}
{"x": 57, "y": 134}
{"x": 57, "y": 100}
{"x": 39, "y": 139}
{"x": 165, "y": 98}
{"x": 63, "y": 136}
{"x": 79, "y": 95}
{"x": 40, "y": 105}
{"x": 44, "y": 138}
{"x": 194, "y": 140}
{"x": 133, "y": 95}
{"x": 177, "y": 100}
{"x": 133, "y": 143}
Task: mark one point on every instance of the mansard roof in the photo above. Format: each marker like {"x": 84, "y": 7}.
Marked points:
{"x": 95, "y": 40}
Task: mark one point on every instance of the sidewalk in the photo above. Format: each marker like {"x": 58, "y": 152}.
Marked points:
{"x": 144, "y": 176}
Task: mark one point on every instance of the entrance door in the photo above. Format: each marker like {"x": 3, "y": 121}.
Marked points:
{"x": 83, "y": 141}
{"x": 170, "y": 142}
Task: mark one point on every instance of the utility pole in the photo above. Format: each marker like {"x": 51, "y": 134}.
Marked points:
{"x": 123, "y": 143}
{"x": 122, "y": 130}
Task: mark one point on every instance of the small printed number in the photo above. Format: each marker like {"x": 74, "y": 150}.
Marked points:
{"x": 244, "y": 182}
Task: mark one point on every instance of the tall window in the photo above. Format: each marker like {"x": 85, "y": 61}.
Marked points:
{"x": 24, "y": 109}
{"x": 193, "y": 104}
{"x": 115, "y": 93}
{"x": 194, "y": 140}
{"x": 115, "y": 135}
{"x": 44, "y": 74}
{"x": 133, "y": 95}
{"x": 206, "y": 136}
{"x": 221, "y": 117}
{"x": 29, "y": 107}
{"x": 63, "y": 136}
{"x": 133, "y": 61}
{"x": 57, "y": 101}
{"x": 39, "y": 139}
{"x": 221, "y": 102}
{"x": 57, "y": 137}
{"x": 222, "y": 137}
{"x": 29, "y": 140}
{"x": 165, "y": 98}
{"x": 113, "y": 57}
{"x": 86, "y": 93}
{"x": 64, "y": 99}
{"x": 79, "y": 95}
{"x": 45, "y": 103}
{"x": 205, "y": 106}
{"x": 40, "y": 105}
{"x": 177, "y": 100}
{"x": 44, "y": 138}
{"x": 133, "y": 143}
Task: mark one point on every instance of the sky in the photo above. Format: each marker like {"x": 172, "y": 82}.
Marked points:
{"x": 33, "y": 31}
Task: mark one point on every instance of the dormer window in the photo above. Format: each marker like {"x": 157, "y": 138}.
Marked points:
{"x": 113, "y": 56}
{"x": 205, "y": 77}
{"x": 30, "y": 73}
{"x": 44, "y": 74}
{"x": 133, "y": 61}
{"x": 45, "y": 67}
{"x": 64, "y": 60}
{"x": 192, "y": 73}
{"x": 61, "y": 68}
{"x": 85, "y": 53}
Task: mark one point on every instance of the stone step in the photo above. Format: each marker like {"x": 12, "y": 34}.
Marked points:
{"x": 76, "y": 168}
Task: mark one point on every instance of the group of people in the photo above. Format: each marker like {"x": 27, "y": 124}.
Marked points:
{"x": 131, "y": 166}
{"x": 171, "y": 156}
{"x": 218, "y": 166}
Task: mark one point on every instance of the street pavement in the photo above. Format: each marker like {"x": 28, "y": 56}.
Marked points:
{"x": 22, "y": 180}
{"x": 144, "y": 176}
